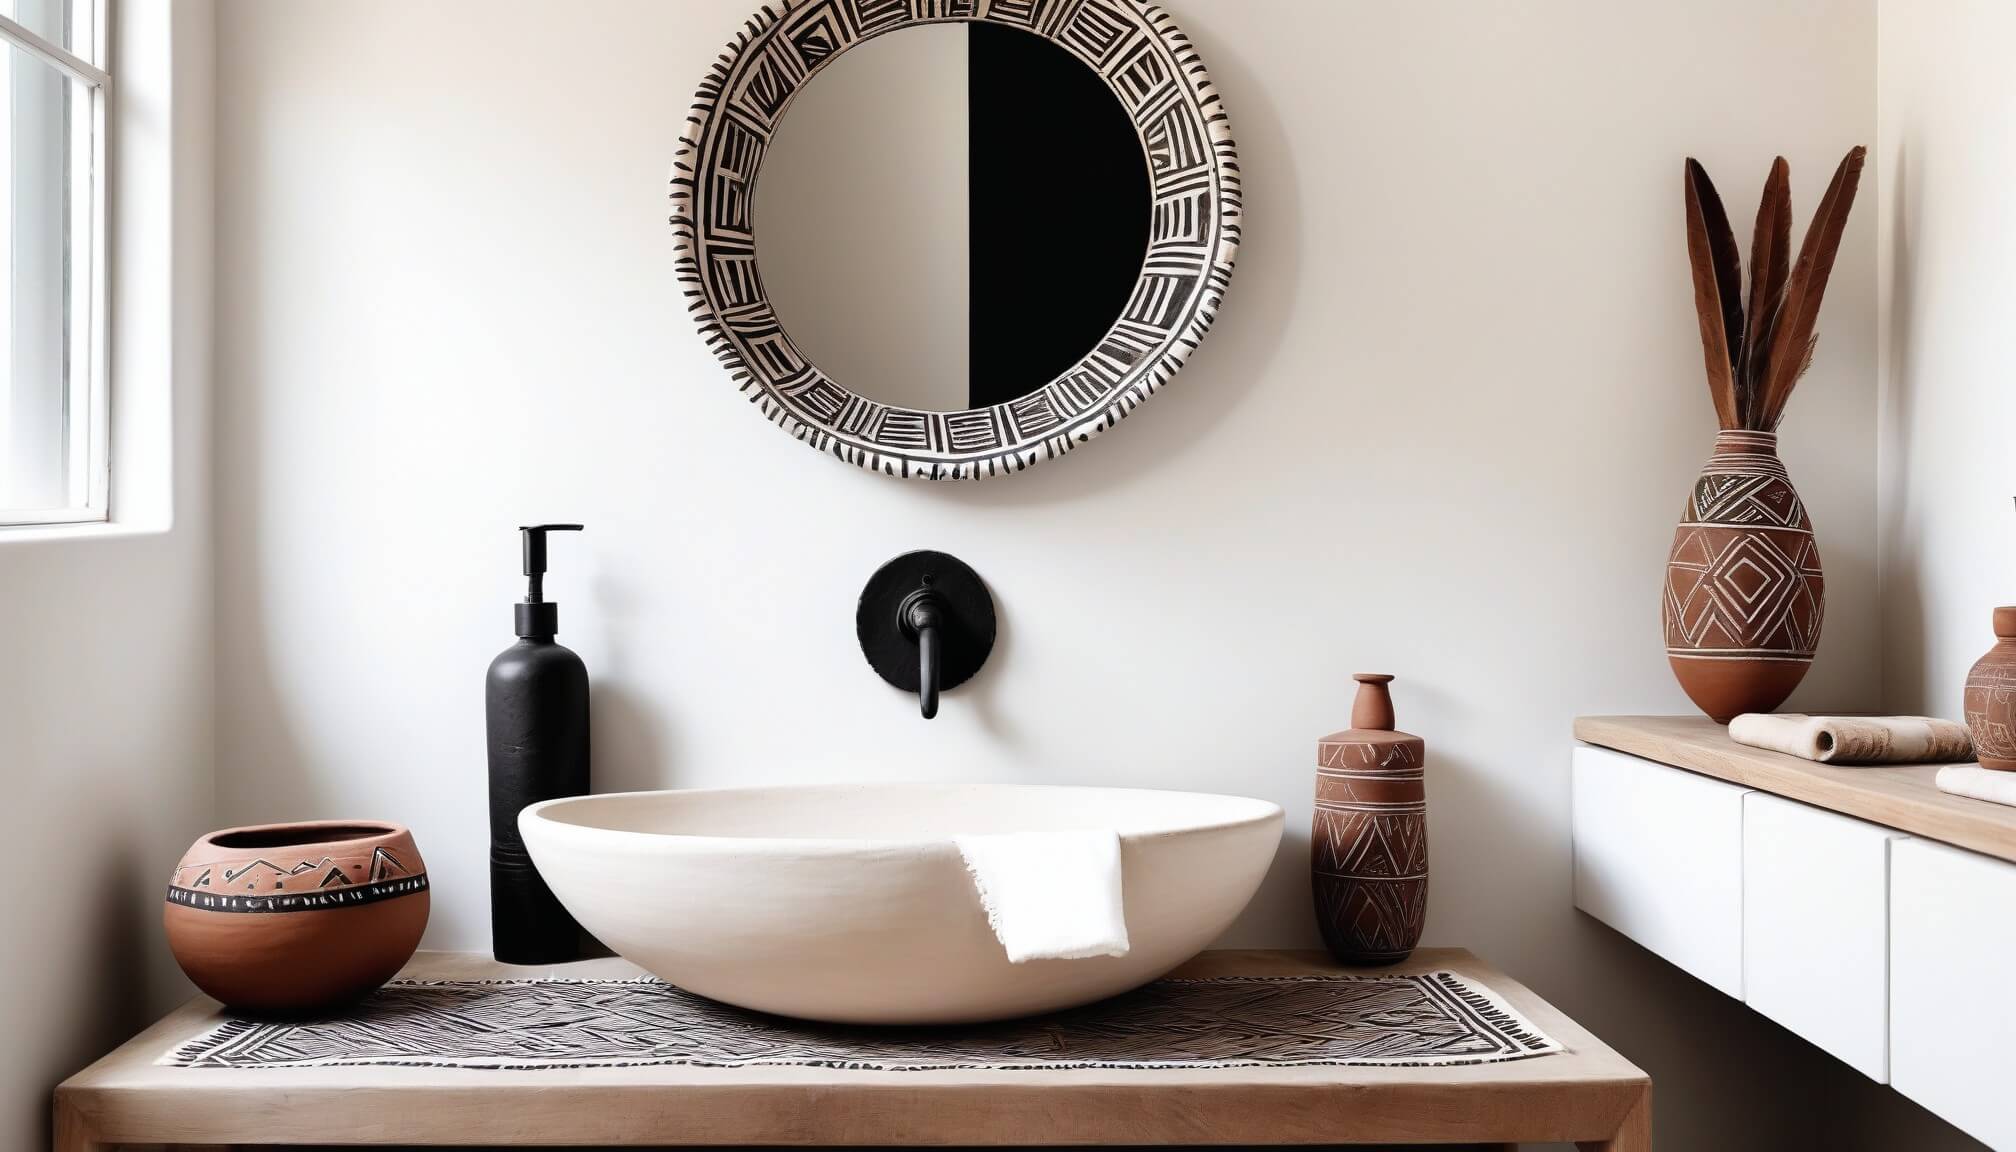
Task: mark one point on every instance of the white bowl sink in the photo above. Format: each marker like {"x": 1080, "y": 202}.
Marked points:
{"x": 849, "y": 903}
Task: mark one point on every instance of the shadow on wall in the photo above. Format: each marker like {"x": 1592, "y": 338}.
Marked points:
{"x": 119, "y": 935}
{"x": 107, "y": 991}
{"x": 1903, "y": 594}
{"x": 1282, "y": 898}
{"x": 983, "y": 694}
{"x": 627, "y": 739}
{"x": 629, "y": 733}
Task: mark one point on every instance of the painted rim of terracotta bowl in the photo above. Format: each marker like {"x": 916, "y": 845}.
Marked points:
{"x": 386, "y": 874}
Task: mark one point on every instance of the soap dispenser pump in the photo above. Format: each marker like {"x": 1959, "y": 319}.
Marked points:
{"x": 536, "y": 711}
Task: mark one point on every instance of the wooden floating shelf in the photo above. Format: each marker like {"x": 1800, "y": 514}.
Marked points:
{"x": 1903, "y": 796}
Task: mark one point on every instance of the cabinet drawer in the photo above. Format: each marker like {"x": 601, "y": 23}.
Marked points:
{"x": 1952, "y": 1022}
{"x": 1816, "y": 924}
{"x": 1659, "y": 857}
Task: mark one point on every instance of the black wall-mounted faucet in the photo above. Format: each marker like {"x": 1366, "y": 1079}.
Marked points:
{"x": 926, "y": 624}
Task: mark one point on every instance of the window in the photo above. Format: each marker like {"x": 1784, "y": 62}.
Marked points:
{"x": 53, "y": 418}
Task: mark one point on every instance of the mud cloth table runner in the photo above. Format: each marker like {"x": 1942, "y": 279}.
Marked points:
{"x": 1422, "y": 1019}
{"x": 1583, "y": 1093}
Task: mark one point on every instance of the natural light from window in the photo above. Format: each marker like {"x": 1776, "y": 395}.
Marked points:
{"x": 53, "y": 418}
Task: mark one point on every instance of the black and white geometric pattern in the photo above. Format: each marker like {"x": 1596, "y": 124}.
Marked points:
{"x": 1194, "y": 235}
{"x": 1433, "y": 1018}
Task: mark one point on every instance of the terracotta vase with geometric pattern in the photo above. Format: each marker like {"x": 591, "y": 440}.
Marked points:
{"x": 1368, "y": 851}
{"x": 293, "y": 918}
{"x": 1991, "y": 698}
{"x": 1744, "y": 593}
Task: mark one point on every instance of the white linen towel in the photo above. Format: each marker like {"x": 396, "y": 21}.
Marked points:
{"x": 1050, "y": 895}
{"x": 1979, "y": 783}
{"x": 1856, "y": 739}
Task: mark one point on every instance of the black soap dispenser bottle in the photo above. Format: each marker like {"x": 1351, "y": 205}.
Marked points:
{"x": 536, "y": 709}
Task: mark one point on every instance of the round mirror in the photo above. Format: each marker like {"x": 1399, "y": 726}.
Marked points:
{"x": 896, "y": 235}
{"x": 941, "y": 241}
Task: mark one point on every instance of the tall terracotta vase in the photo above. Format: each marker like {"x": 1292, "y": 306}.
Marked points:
{"x": 1744, "y": 593}
{"x": 1991, "y": 697}
{"x": 1368, "y": 853}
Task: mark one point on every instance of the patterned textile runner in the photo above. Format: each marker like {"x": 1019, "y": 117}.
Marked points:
{"x": 1433, "y": 1018}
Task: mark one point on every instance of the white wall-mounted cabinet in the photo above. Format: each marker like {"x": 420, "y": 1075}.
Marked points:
{"x": 1888, "y": 949}
{"x": 1659, "y": 857}
{"x": 1816, "y": 908}
{"x": 1952, "y": 1021}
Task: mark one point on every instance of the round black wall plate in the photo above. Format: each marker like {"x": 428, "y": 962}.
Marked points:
{"x": 968, "y": 610}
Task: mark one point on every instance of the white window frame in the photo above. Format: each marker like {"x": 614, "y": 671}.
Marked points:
{"x": 90, "y": 438}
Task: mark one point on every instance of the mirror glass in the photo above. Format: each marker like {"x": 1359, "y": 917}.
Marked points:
{"x": 950, "y": 216}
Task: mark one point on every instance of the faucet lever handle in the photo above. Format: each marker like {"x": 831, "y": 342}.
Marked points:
{"x": 923, "y": 618}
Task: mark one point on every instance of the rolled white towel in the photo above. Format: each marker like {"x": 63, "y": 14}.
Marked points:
{"x": 1979, "y": 783}
{"x": 1050, "y": 895}
{"x": 1856, "y": 739}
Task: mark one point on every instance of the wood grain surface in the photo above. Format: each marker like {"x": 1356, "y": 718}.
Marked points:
{"x": 1903, "y": 797}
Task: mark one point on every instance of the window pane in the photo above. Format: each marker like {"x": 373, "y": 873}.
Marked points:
{"x": 49, "y": 19}
{"x": 45, "y": 204}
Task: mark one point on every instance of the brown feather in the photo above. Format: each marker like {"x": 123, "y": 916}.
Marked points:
{"x": 1793, "y": 331}
{"x": 1805, "y": 364}
{"x": 1718, "y": 288}
{"x": 1770, "y": 264}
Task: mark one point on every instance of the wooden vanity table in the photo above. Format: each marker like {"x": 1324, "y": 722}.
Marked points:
{"x": 1587, "y": 1094}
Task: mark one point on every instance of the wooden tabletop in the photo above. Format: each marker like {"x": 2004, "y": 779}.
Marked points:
{"x": 1903, "y": 796}
{"x": 1587, "y": 1093}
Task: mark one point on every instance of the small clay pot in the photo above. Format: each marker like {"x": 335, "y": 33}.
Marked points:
{"x": 1744, "y": 594}
{"x": 1991, "y": 698}
{"x": 291, "y": 918}
{"x": 1368, "y": 851}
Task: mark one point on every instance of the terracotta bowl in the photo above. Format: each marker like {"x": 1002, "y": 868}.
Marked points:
{"x": 289, "y": 918}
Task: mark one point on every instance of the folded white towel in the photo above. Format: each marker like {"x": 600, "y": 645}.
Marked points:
{"x": 1979, "y": 783}
{"x": 1856, "y": 739}
{"x": 1050, "y": 895}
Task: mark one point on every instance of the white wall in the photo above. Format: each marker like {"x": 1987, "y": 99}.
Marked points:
{"x": 1443, "y": 429}
{"x": 106, "y": 667}
{"x": 1947, "y": 293}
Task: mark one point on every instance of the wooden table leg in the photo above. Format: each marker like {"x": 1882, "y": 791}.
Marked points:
{"x": 71, "y": 1133}
{"x": 1633, "y": 1135}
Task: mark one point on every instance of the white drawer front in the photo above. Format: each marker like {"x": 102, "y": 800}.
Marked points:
{"x": 1952, "y": 1019}
{"x": 1816, "y": 914}
{"x": 1659, "y": 857}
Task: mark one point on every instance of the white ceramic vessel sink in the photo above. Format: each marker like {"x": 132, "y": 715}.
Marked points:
{"x": 849, "y": 903}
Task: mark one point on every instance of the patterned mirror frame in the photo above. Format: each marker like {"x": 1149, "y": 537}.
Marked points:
{"x": 1146, "y": 62}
